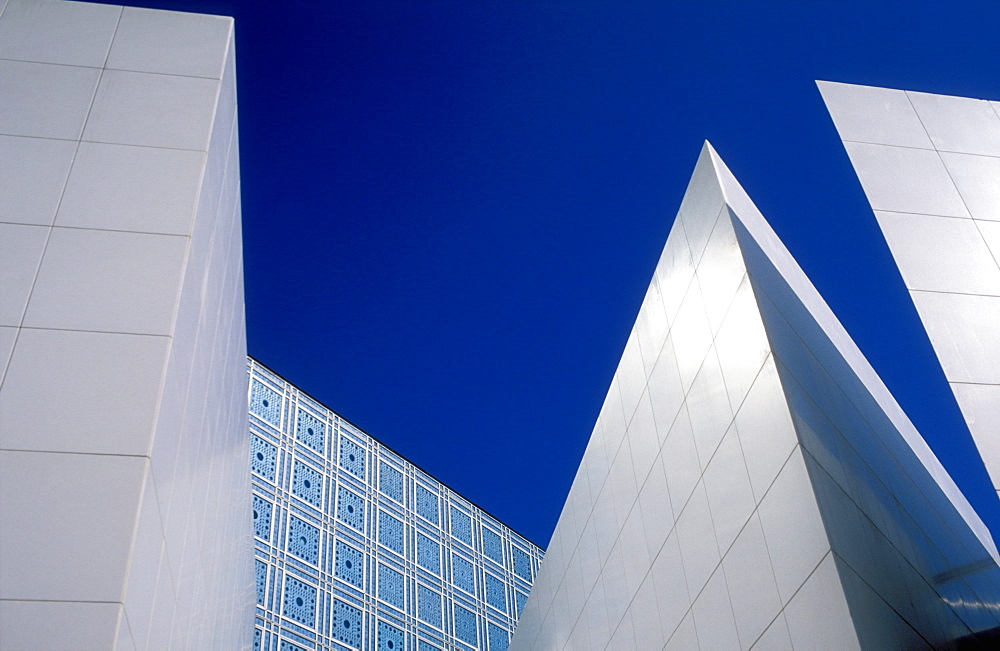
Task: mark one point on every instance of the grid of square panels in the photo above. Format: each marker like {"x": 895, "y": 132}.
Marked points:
{"x": 358, "y": 548}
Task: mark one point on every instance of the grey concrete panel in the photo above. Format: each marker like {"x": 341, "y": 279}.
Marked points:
{"x": 44, "y": 100}
{"x": 66, "y": 539}
{"x": 876, "y": 115}
{"x": 136, "y": 108}
{"x": 171, "y": 43}
{"x": 71, "y": 33}
{"x": 878, "y": 626}
{"x": 127, "y": 188}
{"x": 33, "y": 173}
{"x": 87, "y": 392}
{"x": 108, "y": 281}
{"x": 941, "y": 254}
{"x": 21, "y": 248}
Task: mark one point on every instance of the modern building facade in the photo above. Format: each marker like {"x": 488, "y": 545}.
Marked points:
{"x": 357, "y": 548}
{"x": 930, "y": 167}
{"x": 750, "y": 482}
{"x": 124, "y": 493}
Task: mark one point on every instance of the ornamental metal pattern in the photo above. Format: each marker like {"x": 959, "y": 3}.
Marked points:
{"x": 427, "y": 504}
{"x": 390, "y": 586}
{"x": 357, "y": 548}
{"x": 303, "y": 540}
{"x": 310, "y": 430}
{"x": 263, "y": 457}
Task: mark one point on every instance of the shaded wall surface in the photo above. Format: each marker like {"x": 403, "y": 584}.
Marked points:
{"x": 750, "y": 482}
{"x": 123, "y": 484}
{"x": 930, "y": 167}
{"x": 357, "y": 547}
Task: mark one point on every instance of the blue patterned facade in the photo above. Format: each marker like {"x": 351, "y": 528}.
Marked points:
{"x": 358, "y": 549}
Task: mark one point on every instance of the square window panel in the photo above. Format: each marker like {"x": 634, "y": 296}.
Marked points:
{"x": 299, "y": 602}
{"x": 349, "y": 565}
{"x": 350, "y": 509}
{"x": 310, "y": 431}
{"x": 352, "y": 457}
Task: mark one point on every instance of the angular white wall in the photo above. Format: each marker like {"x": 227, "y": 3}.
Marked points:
{"x": 750, "y": 482}
{"x": 930, "y": 166}
{"x": 691, "y": 521}
{"x": 124, "y": 494}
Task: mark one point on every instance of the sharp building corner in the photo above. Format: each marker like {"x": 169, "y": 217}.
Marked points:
{"x": 124, "y": 494}
{"x": 750, "y": 481}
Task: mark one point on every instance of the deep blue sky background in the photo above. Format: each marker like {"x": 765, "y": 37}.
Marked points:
{"x": 452, "y": 209}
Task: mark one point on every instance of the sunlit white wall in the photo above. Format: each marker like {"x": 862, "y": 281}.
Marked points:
{"x": 124, "y": 494}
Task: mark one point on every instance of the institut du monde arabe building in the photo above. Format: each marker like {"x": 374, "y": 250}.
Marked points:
{"x": 749, "y": 483}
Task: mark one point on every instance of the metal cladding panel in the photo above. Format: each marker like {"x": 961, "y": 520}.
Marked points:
{"x": 791, "y": 499}
{"x": 938, "y": 202}
{"x": 124, "y": 380}
{"x": 916, "y": 564}
{"x": 692, "y": 520}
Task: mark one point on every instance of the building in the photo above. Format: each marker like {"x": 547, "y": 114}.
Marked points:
{"x": 358, "y": 548}
{"x": 750, "y": 482}
{"x": 930, "y": 167}
{"x": 124, "y": 402}
{"x": 124, "y": 495}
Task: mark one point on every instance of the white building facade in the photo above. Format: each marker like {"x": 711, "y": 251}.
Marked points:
{"x": 750, "y": 482}
{"x": 930, "y": 167}
{"x": 124, "y": 495}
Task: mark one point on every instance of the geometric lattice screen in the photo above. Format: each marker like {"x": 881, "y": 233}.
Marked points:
{"x": 359, "y": 549}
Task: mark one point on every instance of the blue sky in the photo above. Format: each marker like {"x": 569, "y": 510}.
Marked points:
{"x": 452, "y": 209}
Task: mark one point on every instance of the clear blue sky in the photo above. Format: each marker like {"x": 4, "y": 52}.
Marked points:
{"x": 452, "y": 209}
